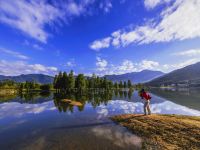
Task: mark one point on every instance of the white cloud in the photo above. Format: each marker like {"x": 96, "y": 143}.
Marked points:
{"x": 71, "y": 63}
{"x": 74, "y": 9}
{"x": 106, "y": 5}
{"x": 99, "y": 44}
{"x": 126, "y": 66}
{"x": 30, "y": 16}
{"x": 191, "y": 52}
{"x": 170, "y": 67}
{"x": 180, "y": 21}
{"x": 147, "y": 64}
{"x": 21, "y": 67}
{"x": 115, "y": 107}
{"x": 101, "y": 64}
{"x": 13, "y": 53}
{"x": 149, "y": 4}
{"x": 116, "y": 38}
{"x": 16, "y": 109}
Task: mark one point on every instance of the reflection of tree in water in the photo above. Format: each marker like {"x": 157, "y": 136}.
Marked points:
{"x": 94, "y": 97}
{"x": 33, "y": 97}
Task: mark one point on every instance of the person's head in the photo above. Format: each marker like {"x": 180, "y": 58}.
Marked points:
{"x": 142, "y": 90}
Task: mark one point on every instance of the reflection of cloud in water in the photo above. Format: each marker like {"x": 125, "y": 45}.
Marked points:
{"x": 118, "y": 135}
{"x": 16, "y": 109}
{"x": 120, "y": 107}
{"x": 114, "y": 107}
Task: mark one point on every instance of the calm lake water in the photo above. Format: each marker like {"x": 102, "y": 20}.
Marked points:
{"x": 40, "y": 121}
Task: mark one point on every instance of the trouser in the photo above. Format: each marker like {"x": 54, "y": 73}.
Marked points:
{"x": 147, "y": 107}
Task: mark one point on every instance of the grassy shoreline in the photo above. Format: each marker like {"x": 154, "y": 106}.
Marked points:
{"x": 163, "y": 131}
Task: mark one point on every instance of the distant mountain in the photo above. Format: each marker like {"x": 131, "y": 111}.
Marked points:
{"x": 189, "y": 74}
{"x": 39, "y": 78}
{"x": 136, "y": 77}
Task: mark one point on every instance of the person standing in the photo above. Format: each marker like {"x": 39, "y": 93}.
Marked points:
{"x": 146, "y": 96}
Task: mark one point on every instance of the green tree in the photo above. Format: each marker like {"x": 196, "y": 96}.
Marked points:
{"x": 64, "y": 81}
{"x": 120, "y": 84}
{"x": 55, "y": 82}
{"x": 125, "y": 85}
{"x": 116, "y": 86}
{"x": 45, "y": 87}
{"x": 129, "y": 84}
{"x": 71, "y": 80}
{"x": 80, "y": 82}
{"x": 59, "y": 80}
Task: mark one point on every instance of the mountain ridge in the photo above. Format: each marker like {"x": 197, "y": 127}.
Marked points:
{"x": 39, "y": 78}
{"x": 136, "y": 77}
{"x": 188, "y": 75}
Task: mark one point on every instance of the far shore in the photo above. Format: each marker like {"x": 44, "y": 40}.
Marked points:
{"x": 163, "y": 131}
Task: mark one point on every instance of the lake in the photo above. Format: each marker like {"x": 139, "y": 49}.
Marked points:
{"x": 42, "y": 121}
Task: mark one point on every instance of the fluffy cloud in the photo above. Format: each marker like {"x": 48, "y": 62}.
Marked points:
{"x": 19, "y": 67}
{"x": 101, "y": 64}
{"x": 71, "y": 63}
{"x": 191, "y": 52}
{"x": 126, "y": 66}
{"x": 32, "y": 16}
{"x": 99, "y": 44}
{"x": 23, "y": 16}
{"x": 16, "y": 109}
{"x": 170, "y": 67}
{"x": 149, "y": 4}
{"x": 147, "y": 64}
{"x": 13, "y": 53}
{"x": 106, "y": 5}
{"x": 179, "y": 21}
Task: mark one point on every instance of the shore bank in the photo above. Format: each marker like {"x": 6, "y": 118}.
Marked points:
{"x": 7, "y": 92}
{"x": 163, "y": 131}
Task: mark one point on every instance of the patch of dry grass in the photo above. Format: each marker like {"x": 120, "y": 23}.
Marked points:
{"x": 71, "y": 102}
{"x": 163, "y": 131}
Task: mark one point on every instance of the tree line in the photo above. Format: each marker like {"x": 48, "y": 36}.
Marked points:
{"x": 66, "y": 81}
{"x": 24, "y": 86}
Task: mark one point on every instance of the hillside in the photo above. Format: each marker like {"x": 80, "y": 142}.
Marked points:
{"x": 189, "y": 74}
{"x": 39, "y": 78}
{"x": 136, "y": 77}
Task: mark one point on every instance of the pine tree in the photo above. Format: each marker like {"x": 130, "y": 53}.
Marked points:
{"x": 55, "y": 84}
{"x": 80, "y": 82}
{"x": 71, "y": 80}
{"x": 116, "y": 85}
{"x": 59, "y": 80}
{"x": 120, "y": 84}
{"x": 64, "y": 81}
{"x": 129, "y": 84}
{"x": 125, "y": 85}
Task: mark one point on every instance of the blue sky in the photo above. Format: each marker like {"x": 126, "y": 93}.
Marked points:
{"x": 98, "y": 36}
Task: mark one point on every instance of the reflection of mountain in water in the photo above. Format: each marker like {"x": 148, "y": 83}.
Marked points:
{"x": 185, "y": 97}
